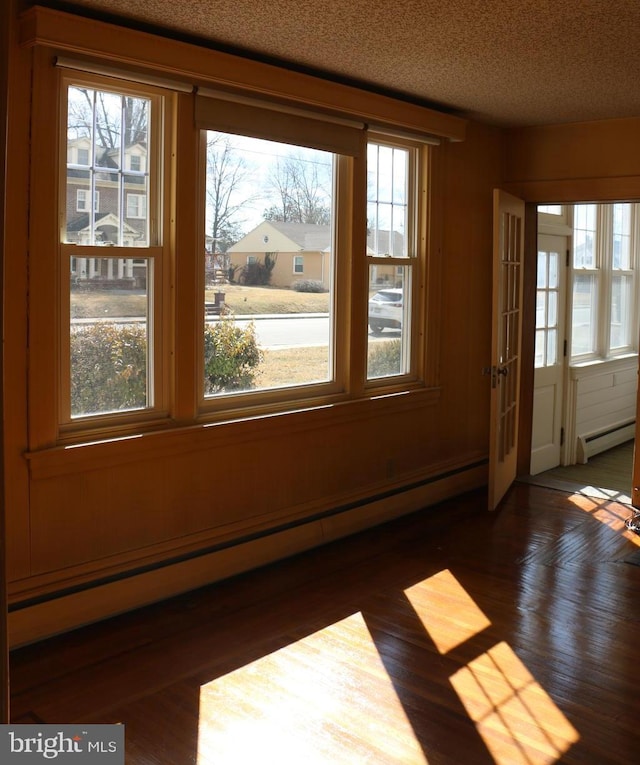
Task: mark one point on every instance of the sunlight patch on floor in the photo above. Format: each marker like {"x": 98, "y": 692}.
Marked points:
{"x": 440, "y": 594}
{"x": 518, "y": 721}
{"x": 327, "y": 695}
{"x": 609, "y": 495}
{"x": 610, "y": 513}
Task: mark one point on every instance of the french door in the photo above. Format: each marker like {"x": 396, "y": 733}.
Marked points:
{"x": 508, "y": 273}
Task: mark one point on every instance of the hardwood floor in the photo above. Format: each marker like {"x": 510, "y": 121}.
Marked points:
{"x": 449, "y": 637}
{"x": 607, "y": 475}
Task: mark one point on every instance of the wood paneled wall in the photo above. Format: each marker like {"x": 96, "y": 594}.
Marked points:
{"x": 87, "y": 516}
{"x": 578, "y": 162}
{"x": 470, "y": 171}
{"x": 5, "y": 20}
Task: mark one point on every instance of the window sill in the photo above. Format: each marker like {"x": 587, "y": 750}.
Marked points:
{"x": 595, "y": 366}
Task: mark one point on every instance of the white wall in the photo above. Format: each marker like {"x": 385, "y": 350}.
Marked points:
{"x": 600, "y": 396}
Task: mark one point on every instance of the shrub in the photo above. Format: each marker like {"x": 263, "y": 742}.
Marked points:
{"x": 108, "y": 368}
{"x": 255, "y": 274}
{"x": 231, "y": 354}
{"x": 384, "y": 358}
{"x": 109, "y": 364}
{"x": 308, "y": 285}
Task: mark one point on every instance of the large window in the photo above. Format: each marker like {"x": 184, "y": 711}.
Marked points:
{"x": 266, "y": 202}
{"x": 605, "y": 250}
{"x": 230, "y": 288}
{"x": 110, "y": 254}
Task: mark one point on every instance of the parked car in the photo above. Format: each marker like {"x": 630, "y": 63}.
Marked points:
{"x": 385, "y": 310}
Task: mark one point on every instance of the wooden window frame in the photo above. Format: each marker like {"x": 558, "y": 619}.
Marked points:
{"x": 417, "y": 373}
{"x": 177, "y": 272}
{"x": 155, "y": 254}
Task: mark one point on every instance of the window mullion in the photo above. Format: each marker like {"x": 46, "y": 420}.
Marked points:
{"x": 604, "y": 261}
{"x": 121, "y": 176}
{"x": 92, "y": 170}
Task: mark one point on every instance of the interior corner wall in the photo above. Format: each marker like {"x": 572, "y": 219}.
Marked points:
{"x": 471, "y": 171}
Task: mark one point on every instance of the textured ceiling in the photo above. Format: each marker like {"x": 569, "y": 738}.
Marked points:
{"x": 508, "y": 62}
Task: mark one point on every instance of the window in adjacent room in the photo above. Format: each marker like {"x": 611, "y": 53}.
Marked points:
{"x": 606, "y": 243}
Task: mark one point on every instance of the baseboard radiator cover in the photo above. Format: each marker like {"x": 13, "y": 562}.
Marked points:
{"x": 594, "y": 443}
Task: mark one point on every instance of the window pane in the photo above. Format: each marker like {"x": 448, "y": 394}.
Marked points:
{"x": 541, "y": 309}
{"x": 584, "y": 236}
{"x": 108, "y": 335}
{"x": 387, "y": 201}
{"x": 553, "y": 270}
{"x": 550, "y": 209}
{"x": 552, "y": 309}
{"x": 621, "y": 255}
{"x": 269, "y": 265}
{"x": 552, "y": 347}
{"x": 539, "y": 350}
{"x": 620, "y": 336}
{"x": 542, "y": 269}
{"x": 547, "y": 309}
{"x": 584, "y": 314}
{"x": 389, "y": 312}
{"x": 107, "y": 133}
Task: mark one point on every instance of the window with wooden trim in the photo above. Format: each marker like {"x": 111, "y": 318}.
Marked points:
{"x": 266, "y": 202}
{"x": 284, "y": 233}
{"x": 393, "y": 258}
{"x": 276, "y": 191}
{"x": 111, "y": 257}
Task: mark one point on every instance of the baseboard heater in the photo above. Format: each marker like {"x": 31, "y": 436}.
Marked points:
{"x": 594, "y": 443}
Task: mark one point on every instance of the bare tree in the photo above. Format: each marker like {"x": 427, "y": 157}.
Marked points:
{"x": 116, "y": 119}
{"x": 227, "y": 173}
{"x": 302, "y": 195}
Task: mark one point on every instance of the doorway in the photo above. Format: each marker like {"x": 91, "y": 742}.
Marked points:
{"x": 587, "y": 325}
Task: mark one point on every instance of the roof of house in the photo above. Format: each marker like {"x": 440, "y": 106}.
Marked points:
{"x": 81, "y": 222}
{"x": 311, "y": 237}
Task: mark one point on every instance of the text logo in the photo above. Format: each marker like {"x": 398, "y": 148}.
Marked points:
{"x": 79, "y": 744}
